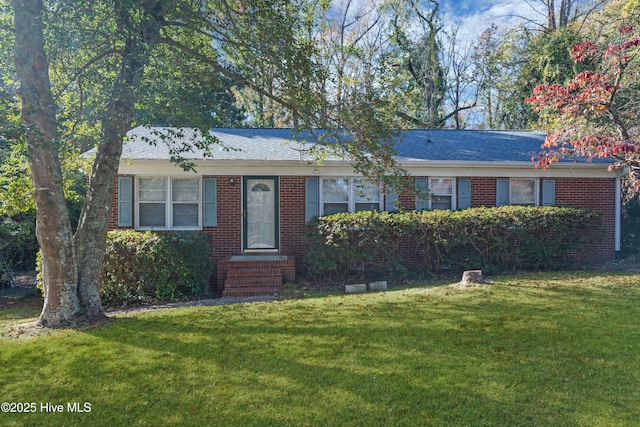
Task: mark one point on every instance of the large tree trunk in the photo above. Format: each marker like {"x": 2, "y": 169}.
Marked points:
{"x": 72, "y": 280}
{"x": 91, "y": 236}
{"x": 53, "y": 228}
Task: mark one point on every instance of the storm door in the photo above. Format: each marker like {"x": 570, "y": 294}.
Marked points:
{"x": 260, "y": 213}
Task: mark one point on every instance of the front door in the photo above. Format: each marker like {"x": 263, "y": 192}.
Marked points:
{"x": 260, "y": 212}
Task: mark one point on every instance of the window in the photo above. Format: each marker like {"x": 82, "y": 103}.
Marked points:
{"x": 517, "y": 191}
{"x": 522, "y": 192}
{"x": 335, "y": 196}
{"x": 434, "y": 193}
{"x": 349, "y": 195}
{"x": 168, "y": 203}
{"x": 367, "y": 195}
{"x": 441, "y": 190}
{"x": 152, "y": 197}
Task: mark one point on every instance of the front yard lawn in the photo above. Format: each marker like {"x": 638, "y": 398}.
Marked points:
{"x": 538, "y": 349}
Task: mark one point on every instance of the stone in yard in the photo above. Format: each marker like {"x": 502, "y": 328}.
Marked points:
{"x": 378, "y": 286}
{"x": 472, "y": 276}
{"x": 355, "y": 289}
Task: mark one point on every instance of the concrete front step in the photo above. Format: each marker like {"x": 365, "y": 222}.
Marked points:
{"x": 251, "y": 291}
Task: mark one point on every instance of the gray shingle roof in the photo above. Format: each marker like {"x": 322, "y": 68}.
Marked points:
{"x": 278, "y": 145}
{"x": 470, "y": 145}
{"x": 235, "y": 144}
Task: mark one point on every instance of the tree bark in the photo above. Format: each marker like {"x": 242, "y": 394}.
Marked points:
{"x": 90, "y": 238}
{"x": 551, "y": 16}
{"x": 53, "y": 228}
{"x": 72, "y": 263}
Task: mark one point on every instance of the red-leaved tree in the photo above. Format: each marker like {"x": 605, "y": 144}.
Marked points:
{"x": 596, "y": 114}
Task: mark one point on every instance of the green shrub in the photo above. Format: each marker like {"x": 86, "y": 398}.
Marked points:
{"x": 6, "y": 273}
{"x": 341, "y": 243}
{"x": 494, "y": 239}
{"x": 18, "y": 244}
{"x": 149, "y": 265}
{"x": 146, "y": 266}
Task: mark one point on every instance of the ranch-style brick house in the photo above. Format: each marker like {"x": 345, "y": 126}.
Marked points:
{"x": 255, "y": 196}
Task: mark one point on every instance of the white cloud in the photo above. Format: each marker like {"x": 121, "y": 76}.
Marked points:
{"x": 475, "y": 17}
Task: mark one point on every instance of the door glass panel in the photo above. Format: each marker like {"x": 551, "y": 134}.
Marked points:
{"x": 261, "y": 213}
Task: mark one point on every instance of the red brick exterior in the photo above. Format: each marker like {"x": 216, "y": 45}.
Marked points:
{"x": 596, "y": 194}
{"x": 591, "y": 193}
{"x": 483, "y": 192}
{"x": 293, "y": 217}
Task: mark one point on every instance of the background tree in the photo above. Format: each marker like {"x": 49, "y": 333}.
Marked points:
{"x": 416, "y": 29}
{"x": 461, "y": 91}
{"x": 595, "y": 115}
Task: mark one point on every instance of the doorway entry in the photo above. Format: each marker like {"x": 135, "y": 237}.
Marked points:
{"x": 260, "y": 213}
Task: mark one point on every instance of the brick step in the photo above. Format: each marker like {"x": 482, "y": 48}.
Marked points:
{"x": 243, "y": 282}
{"x": 249, "y": 292}
{"x": 254, "y": 272}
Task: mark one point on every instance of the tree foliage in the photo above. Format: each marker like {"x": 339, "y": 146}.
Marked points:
{"x": 595, "y": 115}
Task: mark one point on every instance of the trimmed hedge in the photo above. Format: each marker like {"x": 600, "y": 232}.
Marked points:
{"x": 151, "y": 266}
{"x": 493, "y": 239}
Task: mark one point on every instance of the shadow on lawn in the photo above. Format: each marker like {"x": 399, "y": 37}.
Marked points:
{"x": 295, "y": 369}
{"x": 430, "y": 357}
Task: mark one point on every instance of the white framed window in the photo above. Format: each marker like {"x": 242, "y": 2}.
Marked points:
{"x": 517, "y": 191}
{"x": 348, "y": 195}
{"x": 168, "y": 203}
{"x": 523, "y": 191}
{"x": 435, "y": 193}
{"x": 441, "y": 191}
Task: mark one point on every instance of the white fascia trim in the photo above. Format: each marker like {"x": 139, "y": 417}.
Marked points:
{"x": 339, "y": 168}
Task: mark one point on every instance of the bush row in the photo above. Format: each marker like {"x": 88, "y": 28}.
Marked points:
{"x": 146, "y": 266}
{"x": 493, "y": 239}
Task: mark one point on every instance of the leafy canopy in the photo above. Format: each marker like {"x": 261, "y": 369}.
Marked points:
{"x": 595, "y": 115}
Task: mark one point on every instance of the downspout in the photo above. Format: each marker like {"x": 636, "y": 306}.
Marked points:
{"x": 618, "y": 226}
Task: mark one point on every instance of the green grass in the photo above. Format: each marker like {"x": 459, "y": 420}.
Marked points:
{"x": 557, "y": 349}
{"x": 12, "y": 316}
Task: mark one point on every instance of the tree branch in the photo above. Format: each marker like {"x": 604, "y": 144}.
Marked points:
{"x": 226, "y": 72}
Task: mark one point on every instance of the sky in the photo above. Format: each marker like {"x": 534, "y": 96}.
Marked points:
{"x": 475, "y": 16}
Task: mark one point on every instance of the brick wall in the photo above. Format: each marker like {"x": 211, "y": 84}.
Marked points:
{"x": 483, "y": 192}
{"x": 598, "y": 194}
{"x": 584, "y": 193}
{"x": 227, "y": 235}
{"x": 293, "y": 217}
